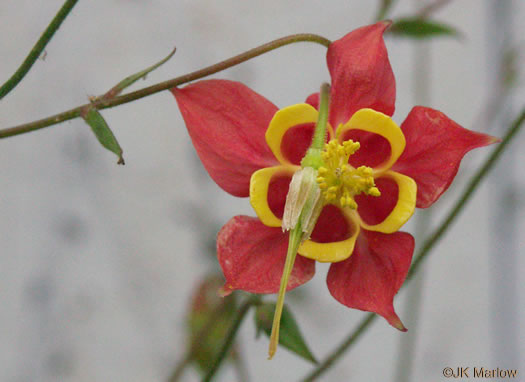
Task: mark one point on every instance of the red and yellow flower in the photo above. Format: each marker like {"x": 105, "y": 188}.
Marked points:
{"x": 374, "y": 175}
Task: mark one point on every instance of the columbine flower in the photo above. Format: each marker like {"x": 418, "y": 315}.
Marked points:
{"x": 374, "y": 174}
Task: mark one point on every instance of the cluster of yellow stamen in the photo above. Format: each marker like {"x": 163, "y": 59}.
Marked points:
{"x": 338, "y": 180}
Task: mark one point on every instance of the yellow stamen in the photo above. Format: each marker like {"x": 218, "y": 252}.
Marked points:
{"x": 338, "y": 180}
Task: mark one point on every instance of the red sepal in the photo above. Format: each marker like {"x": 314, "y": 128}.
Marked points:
{"x": 435, "y": 145}
{"x": 313, "y": 100}
{"x": 227, "y": 121}
{"x": 361, "y": 74}
{"x": 252, "y": 257}
{"x": 369, "y": 279}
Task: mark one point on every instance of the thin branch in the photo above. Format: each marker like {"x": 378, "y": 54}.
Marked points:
{"x": 384, "y": 9}
{"x": 425, "y": 12}
{"x": 105, "y": 103}
{"x": 179, "y": 368}
{"x": 230, "y": 337}
{"x": 341, "y": 349}
{"x": 239, "y": 363}
{"x": 197, "y": 341}
{"x": 37, "y": 50}
{"x": 431, "y": 8}
{"x": 428, "y": 244}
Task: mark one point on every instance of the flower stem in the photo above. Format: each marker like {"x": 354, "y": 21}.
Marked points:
{"x": 37, "y": 50}
{"x": 125, "y": 98}
{"x": 197, "y": 340}
{"x": 230, "y": 336}
{"x": 427, "y": 245}
{"x": 179, "y": 368}
{"x": 431, "y": 8}
{"x": 313, "y": 154}
{"x": 311, "y": 162}
{"x": 384, "y": 9}
{"x": 342, "y": 348}
{"x": 319, "y": 138}
{"x": 293, "y": 244}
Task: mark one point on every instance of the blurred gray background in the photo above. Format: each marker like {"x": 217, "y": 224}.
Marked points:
{"x": 98, "y": 261}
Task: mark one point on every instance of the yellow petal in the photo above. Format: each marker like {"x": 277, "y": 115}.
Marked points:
{"x": 285, "y": 119}
{"x": 259, "y": 184}
{"x": 334, "y": 251}
{"x": 404, "y": 208}
{"x": 381, "y": 124}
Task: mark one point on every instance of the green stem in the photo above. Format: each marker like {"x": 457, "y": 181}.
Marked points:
{"x": 179, "y": 369}
{"x": 342, "y": 348}
{"x": 108, "y": 103}
{"x": 293, "y": 244}
{"x": 428, "y": 244}
{"x": 197, "y": 340}
{"x": 384, "y": 9}
{"x": 414, "y": 296}
{"x": 319, "y": 138}
{"x": 426, "y": 11}
{"x": 230, "y": 337}
{"x": 240, "y": 364}
{"x": 37, "y": 50}
{"x": 313, "y": 154}
{"x": 314, "y": 160}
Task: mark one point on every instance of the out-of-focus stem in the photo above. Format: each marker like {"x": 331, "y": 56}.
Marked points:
{"x": 230, "y": 337}
{"x": 196, "y": 341}
{"x": 384, "y": 9}
{"x": 408, "y": 342}
{"x": 342, "y": 348}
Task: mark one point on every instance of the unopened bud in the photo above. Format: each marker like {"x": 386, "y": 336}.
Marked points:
{"x": 303, "y": 202}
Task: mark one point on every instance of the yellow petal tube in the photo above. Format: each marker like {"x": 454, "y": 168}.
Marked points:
{"x": 334, "y": 251}
{"x": 259, "y": 184}
{"x": 403, "y": 210}
{"x": 381, "y": 124}
{"x": 285, "y": 119}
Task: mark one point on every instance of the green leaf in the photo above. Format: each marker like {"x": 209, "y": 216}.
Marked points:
{"x": 421, "y": 28}
{"x": 102, "y": 131}
{"x": 290, "y": 335}
{"x": 128, "y": 81}
{"x": 209, "y": 318}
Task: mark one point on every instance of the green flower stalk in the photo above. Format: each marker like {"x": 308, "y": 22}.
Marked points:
{"x": 303, "y": 207}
